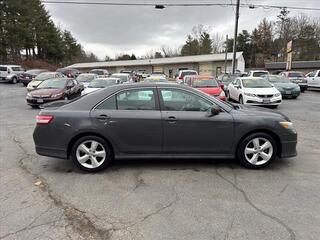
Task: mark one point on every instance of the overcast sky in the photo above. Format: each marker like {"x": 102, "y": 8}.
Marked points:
{"x": 110, "y": 30}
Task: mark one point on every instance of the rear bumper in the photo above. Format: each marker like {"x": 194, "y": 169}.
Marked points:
{"x": 51, "y": 152}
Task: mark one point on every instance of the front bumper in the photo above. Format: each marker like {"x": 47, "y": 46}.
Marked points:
{"x": 290, "y": 93}
{"x": 274, "y": 101}
{"x": 39, "y": 101}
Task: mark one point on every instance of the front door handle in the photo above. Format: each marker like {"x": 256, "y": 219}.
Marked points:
{"x": 103, "y": 117}
{"x": 171, "y": 119}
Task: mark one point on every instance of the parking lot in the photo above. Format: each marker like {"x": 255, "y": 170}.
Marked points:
{"x": 46, "y": 198}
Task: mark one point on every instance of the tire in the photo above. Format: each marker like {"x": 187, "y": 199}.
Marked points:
{"x": 14, "y": 80}
{"x": 241, "y": 99}
{"x": 92, "y": 162}
{"x": 247, "y": 149}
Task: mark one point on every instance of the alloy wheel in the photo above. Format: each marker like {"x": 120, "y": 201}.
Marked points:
{"x": 258, "y": 151}
{"x": 91, "y": 154}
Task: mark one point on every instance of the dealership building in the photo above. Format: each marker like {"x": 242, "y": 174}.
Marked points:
{"x": 209, "y": 64}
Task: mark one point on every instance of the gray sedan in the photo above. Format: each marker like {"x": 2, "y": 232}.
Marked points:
{"x": 160, "y": 120}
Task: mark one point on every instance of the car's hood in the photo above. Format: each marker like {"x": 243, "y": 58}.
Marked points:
{"x": 211, "y": 90}
{"x": 34, "y": 83}
{"x": 46, "y": 92}
{"x": 285, "y": 85}
{"x": 260, "y": 111}
{"x": 271, "y": 90}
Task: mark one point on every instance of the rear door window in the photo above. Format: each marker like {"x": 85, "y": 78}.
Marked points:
{"x": 3, "y": 69}
{"x": 136, "y": 100}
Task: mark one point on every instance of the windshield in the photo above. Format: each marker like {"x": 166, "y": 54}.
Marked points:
{"x": 255, "y": 83}
{"x": 35, "y": 71}
{"x": 85, "y": 78}
{"x": 102, "y": 83}
{"x": 44, "y": 76}
{"x": 53, "y": 83}
{"x": 198, "y": 83}
{"x": 98, "y": 72}
{"x": 295, "y": 74}
{"x": 258, "y": 74}
{"x": 278, "y": 79}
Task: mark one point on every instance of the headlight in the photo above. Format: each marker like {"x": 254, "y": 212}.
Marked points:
{"x": 287, "y": 125}
{"x": 56, "y": 95}
{"x": 250, "y": 94}
{"x": 277, "y": 94}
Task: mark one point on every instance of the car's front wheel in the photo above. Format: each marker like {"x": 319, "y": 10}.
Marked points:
{"x": 257, "y": 150}
{"x": 91, "y": 153}
{"x": 14, "y": 80}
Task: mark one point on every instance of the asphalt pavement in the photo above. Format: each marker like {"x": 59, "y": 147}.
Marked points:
{"x": 48, "y": 198}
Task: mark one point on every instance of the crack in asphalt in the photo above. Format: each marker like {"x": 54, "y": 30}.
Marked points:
{"x": 76, "y": 218}
{"x": 247, "y": 199}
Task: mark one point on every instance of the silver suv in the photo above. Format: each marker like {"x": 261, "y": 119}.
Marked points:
{"x": 10, "y": 73}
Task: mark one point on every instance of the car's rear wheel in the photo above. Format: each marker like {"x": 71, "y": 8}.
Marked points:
{"x": 257, "y": 150}
{"x": 91, "y": 153}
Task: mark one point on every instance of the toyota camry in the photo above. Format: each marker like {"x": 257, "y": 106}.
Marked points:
{"x": 161, "y": 120}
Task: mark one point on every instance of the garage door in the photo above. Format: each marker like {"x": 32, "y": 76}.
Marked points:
{"x": 157, "y": 68}
{"x": 205, "y": 69}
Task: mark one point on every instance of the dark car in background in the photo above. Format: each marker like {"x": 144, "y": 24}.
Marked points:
{"x": 69, "y": 72}
{"x": 298, "y": 78}
{"x": 287, "y": 88}
{"x": 100, "y": 72}
{"x": 161, "y": 120}
{"x": 53, "y": 90}
{"x": 29, "y": 75}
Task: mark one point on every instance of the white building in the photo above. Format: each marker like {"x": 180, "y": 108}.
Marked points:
{"x": 209, "y": 64}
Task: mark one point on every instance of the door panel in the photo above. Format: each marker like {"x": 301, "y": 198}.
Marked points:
{"x": 188, "y": 128}
{"x": 195, "y": 132}
{"x": 133, "y": 131}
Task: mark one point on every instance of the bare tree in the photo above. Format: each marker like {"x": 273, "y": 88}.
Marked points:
{"x": 217, "y": 43}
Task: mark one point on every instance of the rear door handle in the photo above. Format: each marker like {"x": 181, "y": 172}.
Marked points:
{"x": 171, "y": 119}
{"x": 103, "y": 117}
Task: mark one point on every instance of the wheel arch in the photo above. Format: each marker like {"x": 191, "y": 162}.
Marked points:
{"x": 84, "y": 134}
{"x": 266, "y": 131}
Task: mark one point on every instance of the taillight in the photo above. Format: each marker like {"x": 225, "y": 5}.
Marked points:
{"x": 181, "y": 77}
{"x": 43, "y": 119}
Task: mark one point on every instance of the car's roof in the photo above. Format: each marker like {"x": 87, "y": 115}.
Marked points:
{"x": 259, "y": 70}
{"x": 247, "y": 78}
{"x": 87, "y": 74}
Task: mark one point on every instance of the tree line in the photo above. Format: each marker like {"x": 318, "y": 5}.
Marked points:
{"x": 267, "y": 42}
{"x": 28, "y": 32}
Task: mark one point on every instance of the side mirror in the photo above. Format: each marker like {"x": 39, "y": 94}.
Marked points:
{"x": 214, "y": 110}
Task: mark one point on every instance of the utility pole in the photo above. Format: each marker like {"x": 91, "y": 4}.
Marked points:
{"x": 235, "y": 38}
{"x": 226, "y": 55}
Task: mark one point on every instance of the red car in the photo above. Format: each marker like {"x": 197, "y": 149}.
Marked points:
{"x": 206, "y": 84}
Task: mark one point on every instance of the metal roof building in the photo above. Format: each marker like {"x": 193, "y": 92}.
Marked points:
{"x": 304, "y": 66}
{"x": 209, "y": 64}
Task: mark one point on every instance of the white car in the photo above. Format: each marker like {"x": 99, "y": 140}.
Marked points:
{"x": 86, "y": 78}
{"x": 10, "y": 73}
{"x": 254, "y": 91}
{"x": 124, "y": 77}
{"x": 313, "y": 79}
{"x": 100, "y": 83}
{"x": 183, "y": 73}
{"x": 257, "y": 73}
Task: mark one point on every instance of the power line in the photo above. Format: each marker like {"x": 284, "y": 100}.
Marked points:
{"x": 180, "y": 5}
